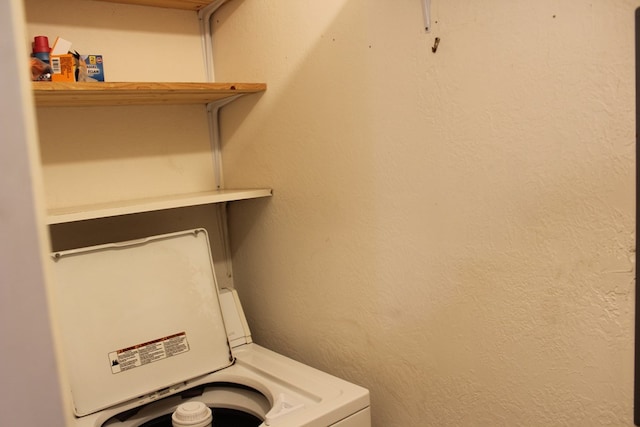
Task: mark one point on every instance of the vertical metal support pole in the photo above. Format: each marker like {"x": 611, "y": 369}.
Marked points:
{"x": 213, "y": 111}
{"x": 215, "y": 144}
{"x": 204, "y": 15}
{"x": 636, "y": 390}
{"x": 223, "y": 229}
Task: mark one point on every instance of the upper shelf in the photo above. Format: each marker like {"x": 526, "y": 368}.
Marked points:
{"x": 59, "y": 94}
{"x": 171, "y": 4}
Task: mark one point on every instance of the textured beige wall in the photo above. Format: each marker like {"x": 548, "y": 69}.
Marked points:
{"x": 454, "y": 231}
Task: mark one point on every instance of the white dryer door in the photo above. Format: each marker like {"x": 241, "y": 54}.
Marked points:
{"x": 137, "y": 317}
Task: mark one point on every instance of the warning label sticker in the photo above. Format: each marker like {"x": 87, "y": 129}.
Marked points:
{"x": 152, "y": 351}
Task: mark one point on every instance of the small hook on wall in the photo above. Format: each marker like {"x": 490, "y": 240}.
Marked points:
{"x": 436, "y": 42}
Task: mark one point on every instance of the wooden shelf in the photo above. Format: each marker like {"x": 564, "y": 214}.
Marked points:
{"x": 59, "y": 94}
{"x": 171, "y": 4}
{"x": 81, "y": 213}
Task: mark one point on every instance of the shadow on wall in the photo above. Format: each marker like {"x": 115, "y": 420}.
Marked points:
{"x": 451, "y": 230}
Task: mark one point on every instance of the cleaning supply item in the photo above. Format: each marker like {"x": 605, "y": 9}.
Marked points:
{"x": 192, "y": 414}
{"x": 63, "y": 63}
{"x": 41, "y": 49}
{"x": 40, "y": 54}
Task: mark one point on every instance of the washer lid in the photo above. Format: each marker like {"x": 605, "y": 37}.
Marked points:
{"x": 137, "y": 317}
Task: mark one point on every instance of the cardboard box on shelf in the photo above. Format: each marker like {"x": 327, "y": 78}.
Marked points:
{"x": 95, "y": 68}
{"x": 63, "y": 68}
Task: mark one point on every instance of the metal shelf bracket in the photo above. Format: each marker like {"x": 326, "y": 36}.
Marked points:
{"x": 204, "y": 15}
{"x": 426, "y": 11}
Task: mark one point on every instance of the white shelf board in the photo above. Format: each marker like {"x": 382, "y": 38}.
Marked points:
{"x": 81, "y": 213}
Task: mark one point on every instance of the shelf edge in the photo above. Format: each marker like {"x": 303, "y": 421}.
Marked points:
{"x": 86, "y": 212}
{"x": 82, "y": 94}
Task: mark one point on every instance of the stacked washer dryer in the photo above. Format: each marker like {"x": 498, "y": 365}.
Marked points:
{"x": 149, "y": 340}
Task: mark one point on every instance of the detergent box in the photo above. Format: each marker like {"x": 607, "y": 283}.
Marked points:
{"x": 94, "y": 67}
{"x": 63, "y": 68}
{"x": 63, "y": 64}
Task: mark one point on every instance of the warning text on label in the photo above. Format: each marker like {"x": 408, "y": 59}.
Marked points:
{"x": 152, "y": 351}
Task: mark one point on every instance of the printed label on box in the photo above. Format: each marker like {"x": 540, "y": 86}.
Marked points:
{"x": 63, "y": 68}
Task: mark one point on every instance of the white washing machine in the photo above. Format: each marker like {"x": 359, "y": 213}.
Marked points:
{"x": 145, "y": 332}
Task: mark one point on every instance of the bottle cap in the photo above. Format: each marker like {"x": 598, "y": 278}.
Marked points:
{"x": 41, "y": 44}
{"x": 192, "y": 414}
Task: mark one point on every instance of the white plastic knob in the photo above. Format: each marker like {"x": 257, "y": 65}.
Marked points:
{"x": 192, "y": 414}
